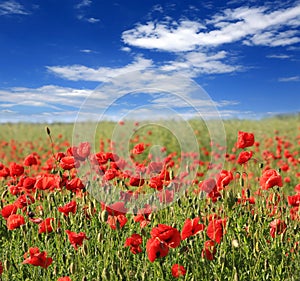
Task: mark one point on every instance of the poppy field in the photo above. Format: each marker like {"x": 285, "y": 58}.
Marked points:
{"x": 77, "y": 212}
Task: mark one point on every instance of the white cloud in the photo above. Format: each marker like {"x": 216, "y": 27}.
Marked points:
{"x": 87, "y": 51}
{"x": 12, "y": 8}
{"x": 195, "y": 63}
{"x": 101, "y": 74}
{"x": 278, "y": 56}
{"x": 289, "y": 79}
{"x": 92, "y": 20}
{"x": 83, "y": 3}
{"x": 253, "y": 25}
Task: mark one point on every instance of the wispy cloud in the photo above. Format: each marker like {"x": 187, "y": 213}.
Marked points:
{"x": 289, "y": 79}
{"x": 278, "y": 56}
{"x": 101, "y": 74}
{"x": 87, "y": 51}
{"x": 255, "y": 26}
{"x": 12, "y": 8}
{"x": 83, "y": 3}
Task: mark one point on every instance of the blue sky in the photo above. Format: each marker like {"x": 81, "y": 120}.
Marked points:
{"x": 54, "y": 54}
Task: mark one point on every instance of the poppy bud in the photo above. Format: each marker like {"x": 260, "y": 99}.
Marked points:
{"x": 104, "y": 216}
{"x": 48, "y": 131}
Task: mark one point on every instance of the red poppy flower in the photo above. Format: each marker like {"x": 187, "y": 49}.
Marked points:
{"x": 167, "y": 234}
{"x": 166, "y": 196}
{"x": 116, "y": 222}
{"x": 136, "y": 181}
{"x": 208, "y": 185}
{"x": 83, "y": 150}
{"x": 110, "y": 174}
{"x": 30, "y": 160}
{"x": 4, "y": 171}
{"x": 68, "y": 163}
{"x": 134, "y": 242}
{"x": 1, "y": 268}
{"x": 270, "y": 178}
{"x": 156, "y": 248}
{"x": 191, "y": 227}
{"x": 46, "y": 226}
{"x": 24, "y": 201}
{"x": 76, "y": 239}
{"x": 278, "y": 227}
{"x": 224, "y": 178}
{"x": 244, "y": 157}
{"x": 244, "y": 139}
{"x": 8, "y": 210}
{"x": 70, "y": 207}
{"x": 74, "y": 184}
{"x": 178, "y": 270}
{"x": 16, "y": 170}
{"x": 156, "y": 183}
{"x": 139, "y": 148}
{"x": 215, "y": 229}
{"x": 209, "y": 250}
{"x": 37, "y": 258}
{"x": 115, "y": 209}
{"x": 294, "y": 200}
{"x": 65, "y": 278}
{"x": 44, "y": 182}
{"x": 28, "y": 183}
{"x": 15, "y": 221}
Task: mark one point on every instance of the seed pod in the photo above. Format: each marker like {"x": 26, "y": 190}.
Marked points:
{"x": 105, "y": 274}
{"x": 104, "y": 216}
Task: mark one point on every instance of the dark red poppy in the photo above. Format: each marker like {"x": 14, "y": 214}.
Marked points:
{"x": 168, "y": 234}
{"x": 209, "y": 250}
{"x": 37, "y": 258}
{"x": 15, "y": 221}
{"x": 215, "y": 229}
{"x": 270, "y": 178}
{"x": 134, "y": 242}
{"x": 70, "y": 207}
{"x": 76, "y": 239}
{"x": 156, "y": 183}
{"x": 244, "y": 157}
{"x": 245, "y": 139}
{"x": 178, "y": 270}
{"x": 30, "y": 160}
{"x": 136, "y": 181}
{"x": 8, "y": 210}
{"x": 156, "y": 248}
{"x": 191, "y": 227}
{"x": 1, "y": 268}
{"x": 278, "y": 227}
{"x": 15, "y": 169}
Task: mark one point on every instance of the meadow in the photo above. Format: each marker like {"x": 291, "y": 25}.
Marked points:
{"x": 60, "y": 221}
